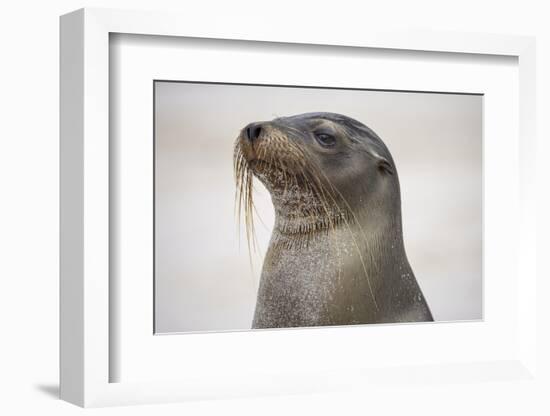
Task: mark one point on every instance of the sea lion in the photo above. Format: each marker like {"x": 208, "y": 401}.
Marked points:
{"x": 336, "y": 254}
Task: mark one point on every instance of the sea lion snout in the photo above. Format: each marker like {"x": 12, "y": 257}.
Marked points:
{"x": 265, "y": 141}
{"x": 253, "y": 131}
{"x": 251, "y": 139}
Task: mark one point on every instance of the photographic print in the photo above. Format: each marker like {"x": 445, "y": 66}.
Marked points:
{"x": 293, "y": 207}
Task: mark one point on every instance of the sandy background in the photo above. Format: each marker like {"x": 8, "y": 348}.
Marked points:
{"x": 203, "y": 278}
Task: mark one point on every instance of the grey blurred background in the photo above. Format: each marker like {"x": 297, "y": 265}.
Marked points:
{"x": 204, "y": 280}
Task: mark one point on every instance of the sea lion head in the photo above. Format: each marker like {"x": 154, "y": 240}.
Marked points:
{"x": 320, "y": 168}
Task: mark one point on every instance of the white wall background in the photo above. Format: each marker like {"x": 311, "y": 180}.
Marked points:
{"x": 29, "y": 206}
{"x": 203, "y": 280}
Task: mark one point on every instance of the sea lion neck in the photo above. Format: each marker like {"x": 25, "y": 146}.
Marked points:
{"x": 349, "y": 275}
{"x": 303, "y": 211}
{"x": 305, "y": 226}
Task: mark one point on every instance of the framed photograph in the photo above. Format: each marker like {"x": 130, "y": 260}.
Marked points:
{"x": 271, "y": 213}
{"x": 340, "y": 236}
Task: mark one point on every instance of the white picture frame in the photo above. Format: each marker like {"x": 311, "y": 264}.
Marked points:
{"x": 86, "y": 332}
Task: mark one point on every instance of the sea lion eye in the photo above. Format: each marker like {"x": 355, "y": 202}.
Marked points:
{"x": 325, "y": 140}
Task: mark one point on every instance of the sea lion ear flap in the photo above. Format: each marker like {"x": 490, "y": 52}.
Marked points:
{"x": 384, "y": 165}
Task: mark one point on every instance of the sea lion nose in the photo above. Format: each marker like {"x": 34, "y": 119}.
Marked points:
{"x": 253, "y": 131}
